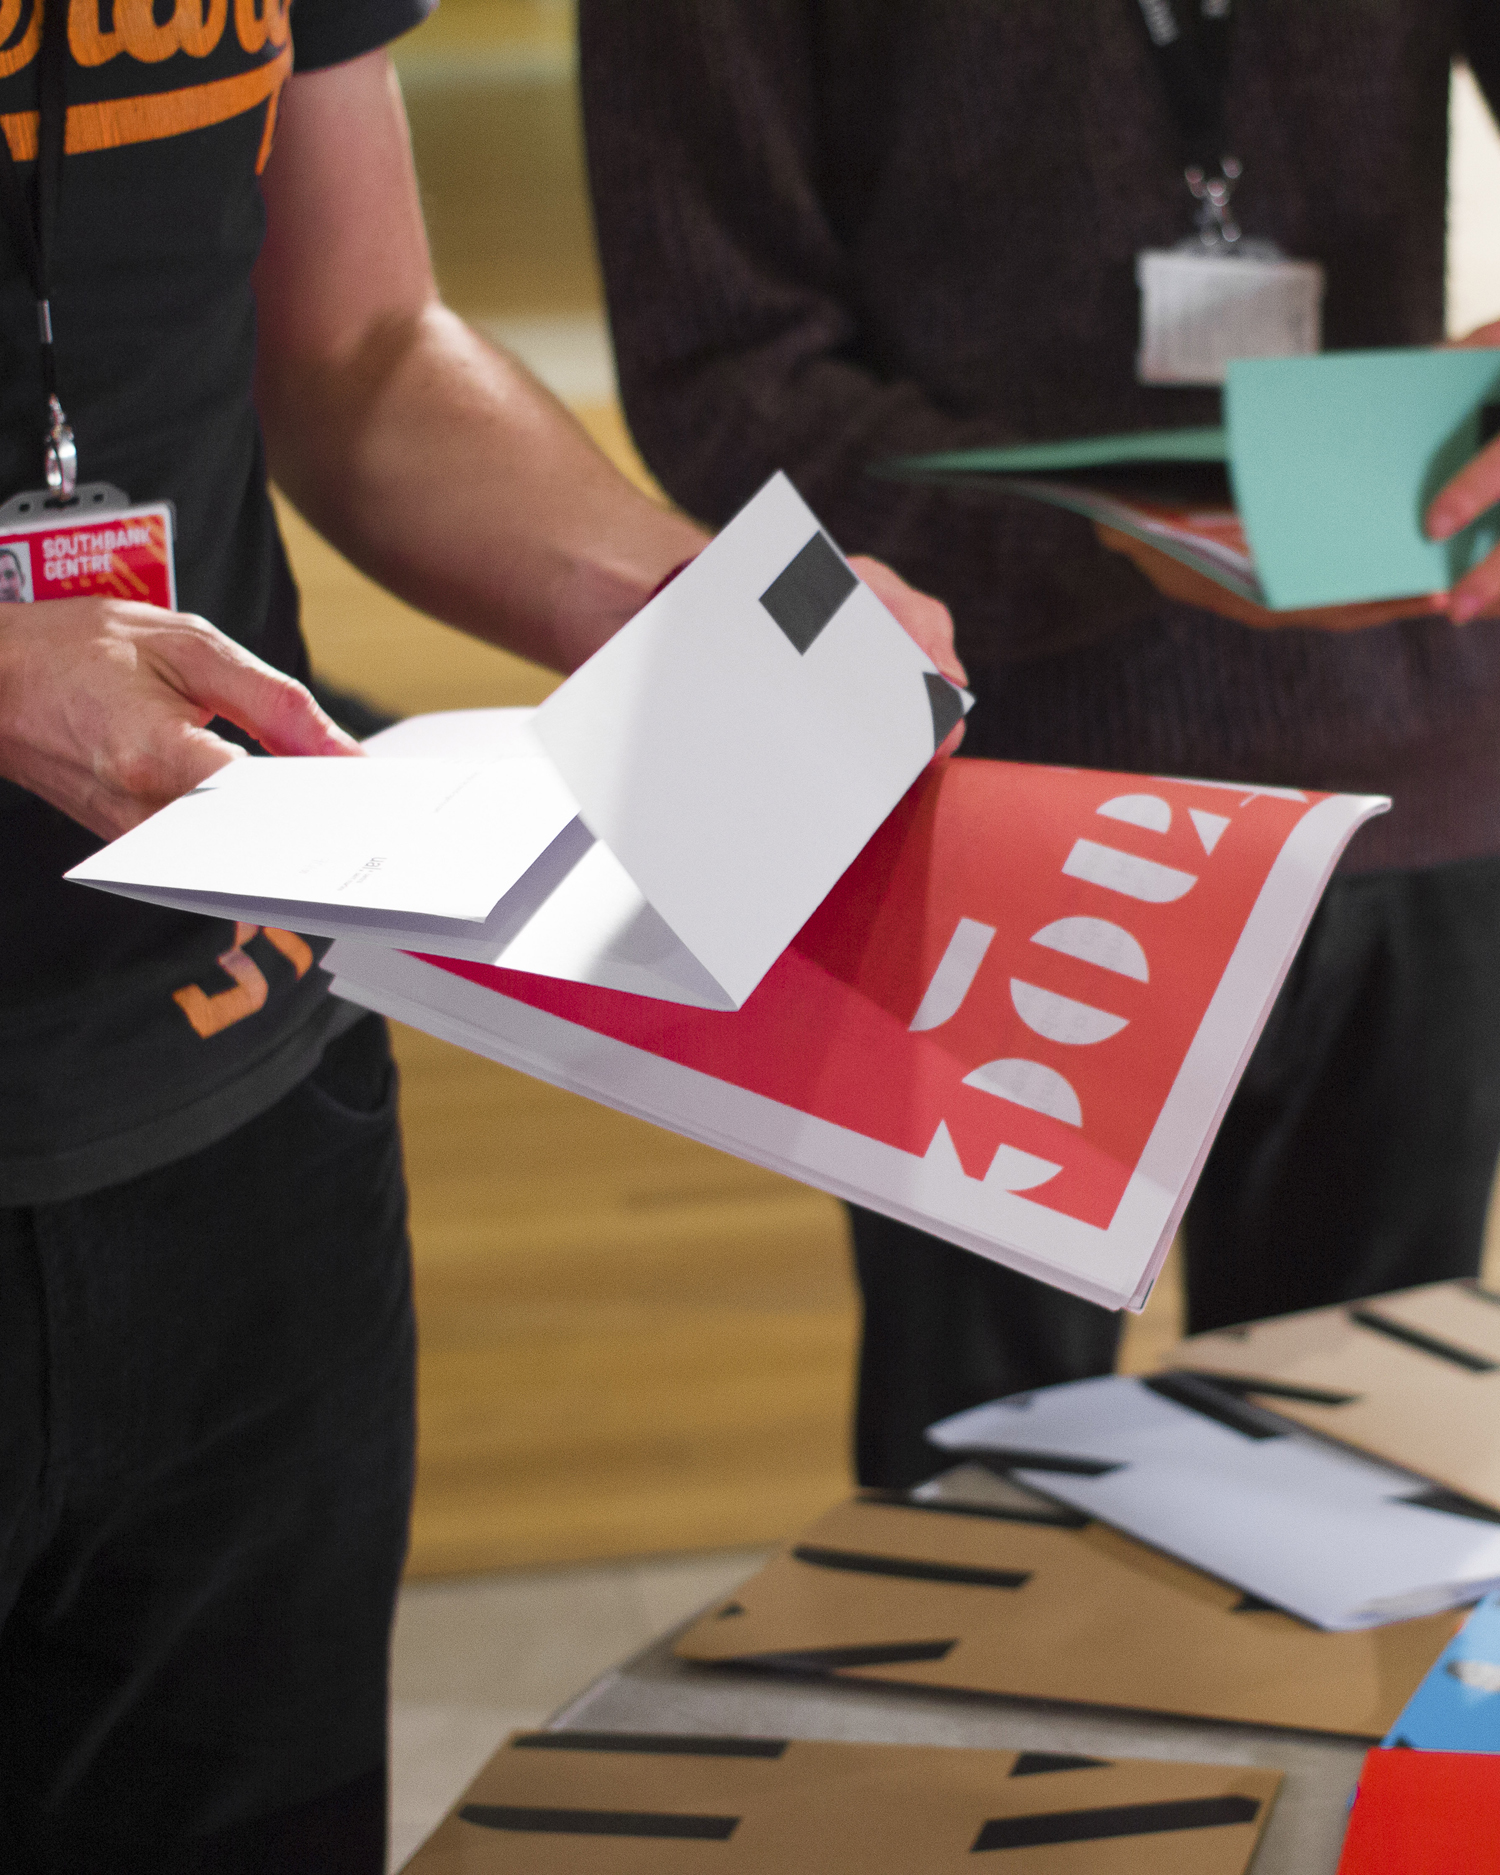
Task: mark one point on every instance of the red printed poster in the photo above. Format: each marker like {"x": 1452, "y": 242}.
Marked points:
{"x": 121, "y": 554}
{"x": 1016, "y": 1021}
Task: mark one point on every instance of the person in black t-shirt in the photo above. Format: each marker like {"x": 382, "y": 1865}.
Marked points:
{"x": 205, "y": 1313}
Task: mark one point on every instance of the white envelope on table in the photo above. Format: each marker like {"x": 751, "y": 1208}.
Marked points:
{"x": 665, "y": 823}
{"x": 1324, "y": 1533}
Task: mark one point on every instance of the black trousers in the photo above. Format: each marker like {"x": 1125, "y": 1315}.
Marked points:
{"x": 1357, "y": 1157}
{"x": 206, "y": 1439}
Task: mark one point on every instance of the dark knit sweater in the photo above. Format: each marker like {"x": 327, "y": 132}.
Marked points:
{"x": 839, "y": 230}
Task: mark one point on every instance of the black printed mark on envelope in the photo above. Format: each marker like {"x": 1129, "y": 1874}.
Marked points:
{"x": 804, "y": 596}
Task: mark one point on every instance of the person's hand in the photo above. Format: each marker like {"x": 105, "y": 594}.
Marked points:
{"x": 926, "y": 620}
{"x": 105, "y": 706}
{"x": 1475, "y": 488}
{"x": 1175, "y": 581}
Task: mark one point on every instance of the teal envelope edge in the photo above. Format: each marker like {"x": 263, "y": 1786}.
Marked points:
{"x": 1334, "y": 459}
{"x": 1081, "y": 452}
{"x": 1457, "y": 1706}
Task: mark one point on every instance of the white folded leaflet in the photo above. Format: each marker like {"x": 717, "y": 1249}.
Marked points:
{"x": 1190, "y": 1467}
{"x": 670, "y": 819}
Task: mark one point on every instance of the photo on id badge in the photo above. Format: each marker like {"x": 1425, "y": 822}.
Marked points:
{"x": 15, "y": 572}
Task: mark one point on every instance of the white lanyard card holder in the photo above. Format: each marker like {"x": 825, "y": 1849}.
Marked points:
{"x": 1200, "y": 310}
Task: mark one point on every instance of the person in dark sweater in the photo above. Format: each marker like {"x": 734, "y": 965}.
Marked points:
{"x": 835, "y": 231}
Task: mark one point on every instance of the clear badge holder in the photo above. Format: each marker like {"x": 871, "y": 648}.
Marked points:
{"x": 1217, "y": 295}
{"x": 36, "y": 504}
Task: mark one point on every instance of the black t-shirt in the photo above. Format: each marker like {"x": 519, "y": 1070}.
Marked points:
{"x": 126, "y": 1039}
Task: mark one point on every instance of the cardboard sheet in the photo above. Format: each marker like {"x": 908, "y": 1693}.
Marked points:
{"x": 1411, "y": 1378}
{"x": 1457, "y": 1706}
{"x": 619, "y": 1803}
{"x": 986, "y": 1596}
{"x": 1312, "y": 494}
{"x": 1016, "y": 1020}
{"x": 679, "y": 807}
{"x": 1425, "y": 1813}
{"x": 1325, "y": 1533}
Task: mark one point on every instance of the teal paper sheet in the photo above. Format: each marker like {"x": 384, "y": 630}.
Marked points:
{"x": 1334, "y": 460}
{"x": 1078, "y": 452}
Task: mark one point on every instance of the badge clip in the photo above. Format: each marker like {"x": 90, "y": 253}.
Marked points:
{"x": 1218, "y": 231}
{"x": 60, "y": 453}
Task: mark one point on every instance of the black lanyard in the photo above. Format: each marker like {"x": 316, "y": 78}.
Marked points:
{"x": 1190, "y": 39}
{"x": 33, "y": 229}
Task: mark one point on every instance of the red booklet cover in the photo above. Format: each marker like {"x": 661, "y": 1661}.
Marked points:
{"x": 1425, "y": 1813}
{"x": 1015, "y": 1021}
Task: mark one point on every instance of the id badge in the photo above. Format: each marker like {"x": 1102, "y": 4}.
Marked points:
{"x": 1200, "y": 310}
{"x": 99, "y": 546}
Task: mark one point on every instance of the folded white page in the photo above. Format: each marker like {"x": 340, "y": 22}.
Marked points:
{"x": 739, "y": 742}
{"x": 1338, "y": 1539}
{"x": 440, "y": 839}
{"x": 578, "y": 914}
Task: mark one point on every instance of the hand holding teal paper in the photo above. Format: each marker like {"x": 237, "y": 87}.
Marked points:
{"x": 1310, "y": 506}
{"x": 1336, "y": 459}
{"x": 1177, "y": 579}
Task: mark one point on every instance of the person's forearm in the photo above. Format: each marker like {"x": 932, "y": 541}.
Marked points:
{"x": 441, "y": 467}
{"x": 434, "y": 462}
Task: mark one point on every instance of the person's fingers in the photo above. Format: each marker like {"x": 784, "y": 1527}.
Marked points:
{"x": 949, "y": 744}
{"x": 1475, "y": 488}
{"x": 213, "y": 672}
{"x": 926, "y": 620}
{"x": 1477, "y": 594}
{"x": 1482, "y": 336}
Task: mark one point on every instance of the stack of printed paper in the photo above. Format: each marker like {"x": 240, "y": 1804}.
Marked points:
{"x": 710, "y": 883}
{"x": 1016, "y": 1020}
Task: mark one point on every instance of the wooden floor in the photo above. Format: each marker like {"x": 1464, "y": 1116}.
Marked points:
{"x": 628, "y": 1343}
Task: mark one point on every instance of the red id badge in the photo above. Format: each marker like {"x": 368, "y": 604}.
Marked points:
{"x": 119, "y": 553}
